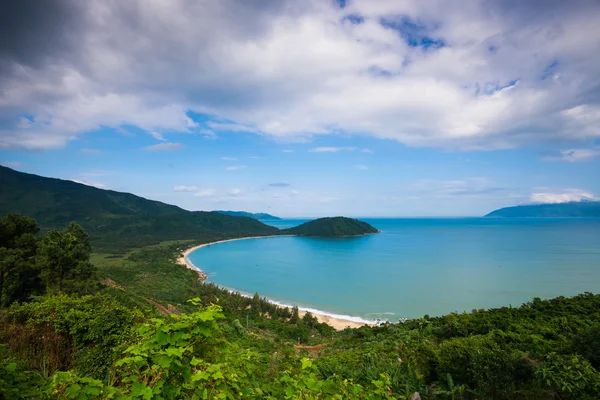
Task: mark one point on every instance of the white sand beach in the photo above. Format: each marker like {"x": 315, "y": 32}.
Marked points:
{"x": 337, "y": 323}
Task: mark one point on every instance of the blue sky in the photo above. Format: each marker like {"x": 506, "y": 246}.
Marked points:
{"x": 359, "y": 109}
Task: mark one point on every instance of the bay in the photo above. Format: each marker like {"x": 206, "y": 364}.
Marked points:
{"x": 415, "y": 266}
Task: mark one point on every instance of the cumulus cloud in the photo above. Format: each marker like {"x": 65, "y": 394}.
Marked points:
{"x": 235, "y": 167}
{"x": 164, "y": 147}
{"x": 205, "y": 193}
{"x": 571, "y": 155}
{"x": 422, "y": 73}
{"x": 184, "y": 188}
{"x": 234, "y": 192}
{"x": 564, "y": 196}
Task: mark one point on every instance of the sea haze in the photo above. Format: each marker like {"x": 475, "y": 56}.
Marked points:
{"x": 415, "y": 266}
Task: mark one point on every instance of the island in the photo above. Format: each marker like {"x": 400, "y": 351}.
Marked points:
{"x": 257, "y": 216}
{"x": 575, "y": 209}
{"x": 332, "y": 227}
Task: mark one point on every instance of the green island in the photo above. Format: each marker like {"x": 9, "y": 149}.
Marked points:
{"x": 574, "y": 209}
{"x": 332, "y": 227}
{"x": 99, "y": 308}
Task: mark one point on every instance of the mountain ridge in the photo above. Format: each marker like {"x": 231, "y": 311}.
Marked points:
{"x": 573, "y": 209}
{"x": 257, "y": 216}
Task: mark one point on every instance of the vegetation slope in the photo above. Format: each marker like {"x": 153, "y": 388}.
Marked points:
{"x": 332, "y": 227}
{"x": 583, "y": 209}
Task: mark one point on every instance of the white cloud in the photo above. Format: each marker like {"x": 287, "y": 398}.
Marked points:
{"x": 564, "y": 196}
{"x": 331, "y": 149}
{"x": 361, "y": 166}
{"x": 571, "y": 155}
{"x": 369, "y": 151}
{"x": 205, "y": 193}
{"x": 292, "y": 70}
{"x": 235, "y": 167}
{"x": 234, "y": 192}
{"x": 287, "y": 151}
{"x": 229, "y": 158}
{"x": 230, "y": 127}
{"x": 157, "y": 136}
{"x": 164, "y": 147}
{"x": 184, "y": 188}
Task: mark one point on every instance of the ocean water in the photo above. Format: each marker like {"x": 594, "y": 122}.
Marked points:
{"x": 415, "y": 266}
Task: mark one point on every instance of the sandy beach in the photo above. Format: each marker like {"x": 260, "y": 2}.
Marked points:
{"x": 337, "y": 323}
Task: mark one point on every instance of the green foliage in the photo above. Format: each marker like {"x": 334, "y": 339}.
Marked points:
{"x": 570, "y": 375}
{"x": 188, "y": 357}
{"x": 18, "y": 246}
{"x": 16, "y": 384}
{"x": 332, "y": 227}
{"x": 587, "y": 344}
{"x": 63, "y": 259}
{"x": 63, "y": 332}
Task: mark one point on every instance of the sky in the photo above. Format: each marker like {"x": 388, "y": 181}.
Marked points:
{"x": 307, "y": 108}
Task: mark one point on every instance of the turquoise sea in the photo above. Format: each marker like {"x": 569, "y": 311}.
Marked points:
{"x": 415, "y": 266}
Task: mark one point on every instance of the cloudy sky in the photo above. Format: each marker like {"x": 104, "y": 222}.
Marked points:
{"x": 307, "y": 108}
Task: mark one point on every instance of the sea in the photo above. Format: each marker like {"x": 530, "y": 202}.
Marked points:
{"x": 414, "y": 267}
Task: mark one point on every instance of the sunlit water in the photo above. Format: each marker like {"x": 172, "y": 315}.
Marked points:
{"x": 414, "y": 266}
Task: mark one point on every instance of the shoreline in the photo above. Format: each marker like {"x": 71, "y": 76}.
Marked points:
{"x": 333, "y": 320}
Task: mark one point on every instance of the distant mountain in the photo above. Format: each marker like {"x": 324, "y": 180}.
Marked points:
{"x": 332, "y": 227}
{"x": 573, "y": 209}
{"x": 257, "y": 216}
{"x": 114, "y": 219}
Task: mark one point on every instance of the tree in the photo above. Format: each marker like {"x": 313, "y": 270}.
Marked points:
{"x": 18, "y": 245}
{"x": 64, "y": 259}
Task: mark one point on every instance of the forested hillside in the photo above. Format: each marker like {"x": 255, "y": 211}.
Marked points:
{"x": 114, "y": 220}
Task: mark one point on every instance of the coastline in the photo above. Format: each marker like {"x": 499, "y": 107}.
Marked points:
{"x": 335, "y": 321}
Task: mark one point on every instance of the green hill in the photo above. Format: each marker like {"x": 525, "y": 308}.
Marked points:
{"x": 332, "y": 227}
{"x": 583, "y": 209}
{"x": 114, "y": 219}
{"x": 257, "y": 216}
